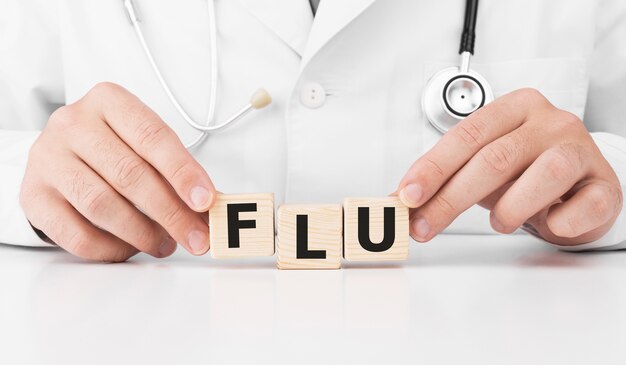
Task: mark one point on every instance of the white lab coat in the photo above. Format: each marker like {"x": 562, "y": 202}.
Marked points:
{"x": 371, "y": 57}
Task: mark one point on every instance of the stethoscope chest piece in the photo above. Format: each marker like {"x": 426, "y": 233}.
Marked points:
{"x": 456, "y": 92}
{"x": 452, "y": 95}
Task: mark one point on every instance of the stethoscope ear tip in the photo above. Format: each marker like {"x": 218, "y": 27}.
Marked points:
{"x": 260, "y": 99}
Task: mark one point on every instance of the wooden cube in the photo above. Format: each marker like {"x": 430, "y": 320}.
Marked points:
{"x": 375, "y": 229}
{"x": 242, "y": 225}
{"x": 309, "y": 236}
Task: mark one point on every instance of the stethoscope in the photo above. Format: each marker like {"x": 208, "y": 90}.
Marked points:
{"x": 260, "y": 99}
{"x": 450, "y": 95}
{"x": 456, "y": 92}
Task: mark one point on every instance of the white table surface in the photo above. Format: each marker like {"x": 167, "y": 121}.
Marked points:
{"x": 458, "y": 299}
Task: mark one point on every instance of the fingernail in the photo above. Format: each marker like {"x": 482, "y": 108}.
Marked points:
{"x": 167, "y": 247}
{"x": 530, "y": 229}
{"x": 421, "y": 229}
{"x": 197, "y": 242}
{"x": 411, "y": 195}
{"x": 200, "y": 197}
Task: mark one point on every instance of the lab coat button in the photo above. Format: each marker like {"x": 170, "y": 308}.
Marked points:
{"x": 312, "y": 95}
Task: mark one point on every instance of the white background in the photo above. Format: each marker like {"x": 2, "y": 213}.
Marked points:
{"x": 459, "y": 299}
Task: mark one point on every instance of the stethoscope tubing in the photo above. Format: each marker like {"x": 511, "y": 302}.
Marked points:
{"x": 203, "y": 128}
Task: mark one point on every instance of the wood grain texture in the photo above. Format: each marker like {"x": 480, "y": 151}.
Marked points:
{"x": 324, "y": 233}
{"x": 257, "y": 241}
{"x": 353, "y": 250}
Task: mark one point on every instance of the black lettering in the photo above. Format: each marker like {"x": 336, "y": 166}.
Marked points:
{"x": 389, "y": 230}
{"x": 302, "y": 240}
{"x": 234, "y": 224}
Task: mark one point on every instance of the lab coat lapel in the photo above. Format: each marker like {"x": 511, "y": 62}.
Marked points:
{"x": 289, "y": 19}
{"x": 331, "y": 17}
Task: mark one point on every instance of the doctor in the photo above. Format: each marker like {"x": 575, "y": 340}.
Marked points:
{"x": 92, "y": 149}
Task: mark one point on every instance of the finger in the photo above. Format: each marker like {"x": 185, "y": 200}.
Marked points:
{"x": 74, "y": 233}
{"x": 489, "y": 202}
{"x": 537, "y": 226}
{"x": 492, "y": 167}
{"x": 105, "y": 208}
{"x": 141, "y": 184}
{"x": 595, "y": 205}
{"x": 430, "y": 172}
{"x": 548, "y": 178}
{"x": 153, "y": 140}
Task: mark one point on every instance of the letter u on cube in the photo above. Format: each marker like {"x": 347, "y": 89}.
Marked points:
{"x": 310, "y": 236}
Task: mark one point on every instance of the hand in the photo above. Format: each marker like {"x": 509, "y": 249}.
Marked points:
{"x": 107, "y": 178}
{"x": 526, "y": 161}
